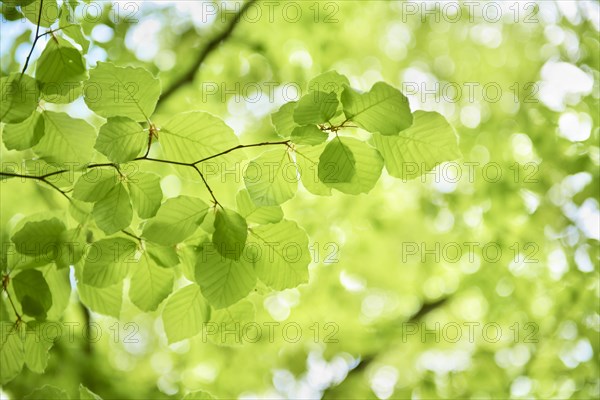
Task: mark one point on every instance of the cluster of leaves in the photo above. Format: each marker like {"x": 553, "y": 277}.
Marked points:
{"x": 120, "y": 227}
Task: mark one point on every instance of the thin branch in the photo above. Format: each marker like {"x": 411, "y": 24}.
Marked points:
{"x": 37, "y": 36}
{"x": 207, "y": 186}
{"x": 41, "y": 179}
{"x": 151, "y": 133}
{"x": 425, "y": 309}
{"x": 103, "y": 165}
{"x": 242, "y": 146}
{"x": 5, "y": 282}
{"x": 50, "y": 32}
{"x": 139, "y": 239}
{"x": 158, "y": 160}
{"x": 19, "y": 318}
{"x": 189, "y": 76}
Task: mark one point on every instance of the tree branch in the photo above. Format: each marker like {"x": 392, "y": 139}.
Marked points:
{"x": 242, "y": 146}
{"x": 189, "y": 76}
{"x": 425, "y": 309}
{"x": 207, "y": 186}
{"x": 41, "y": 179}
{"x": 37, "y": 36}
{"x": 194, "y": 165}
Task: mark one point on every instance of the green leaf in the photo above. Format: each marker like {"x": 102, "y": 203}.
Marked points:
{"x": 71, "y": 29}
{"x": 60, "y": 288}
{"x": 316, "y": 108}
{"x": 252, "y": 213}
{"x": 71, "y": 246}
{"x": 61, "y": 93}
{"x": 121, "y": 139}
{"x": 281, "y": 259}
{"x": 165, "y": 257}
{"x": 39, "y": 239}
{"x": 20, "y": 95}
{"x": 430, "y": 141}
{"x": 12, "y": 352}
{"x": 66, "y": 139}
{"x": 75, "y": 32}
{"x": 114, "y": 212}
{"x": 223, "y": 281}
{"x": 23, "y": 135}
{"x": 308, "y": 134}
{"x": 384, "y": 109}
{"x": 230, "y": 320}
{"x": 87, "y": 394}
{"x": 185, "y": 312}
{"x": 199, "y": 395}
{"x": 192, "y": 136}
{"x": 105, "y": 301}
{"x": 368, "y": 166}
{"x": 283, "y": 119}
{"x": 145, "y": 192}
{"x": 95, "y": 184}
{"x": 150, "y": 284}
{"x": 17, "y": 3}
{"x": 330, "y": 81}
{"x": 33, "y": 293}
{"x": 107, "y": 261}
{"x": 37, "y": 345}
{"x": 307, "y": 159}
{"x": 60, "y": 63}
{"x": 122, "y": 91}
{"x": 271, "y": 179}
{"x": 337, "y": 163}
{"x": 176, "y": 220}
{"x": 47, "y": 392}
{"x": 230, "y": 233}
{"x": 47, "y": 17}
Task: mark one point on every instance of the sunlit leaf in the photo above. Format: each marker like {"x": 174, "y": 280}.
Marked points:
{"x": 59, "y": 63}
{"x": 12, "y": 351}
{"x": 150, "y": 284}
{"x": 146, "y": 194}
{"x": 337, "y": 163}
{"x": 107, "y": 261}
{"x": 281, "y": 255}
{"x": 252, "y": 213}
{"x": 185, "y": 312}
{"x": 384, "y": 109}
{"x": 113, "y": 212}
{"x": 271, "y": 179}
{"x": 23, "y": 135}
{"x": 192, "y": 136}
{"x": 229, "y": 237}
{"x": 223, "y": 281}
{"x": 368, "y": 166}
{"x": 426, "y": 144}
{"x": 283, "y": 119}
{"x": 308, "y": 134}
{"x": 66, "y": 140}
{"x": 32, "y": 291}
{"x": 20, "y": 94}
{"x": 115, "y": 91}
{"x": 315, "y": 108}
{"x": 121, "y": 139}
{"x": 176, "y": 220}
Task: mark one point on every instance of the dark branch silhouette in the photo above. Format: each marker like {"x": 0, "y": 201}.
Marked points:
{"x": 37, "y": 37}
{"x": 367, "y": 360}
{"x": 188, "y": 77}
